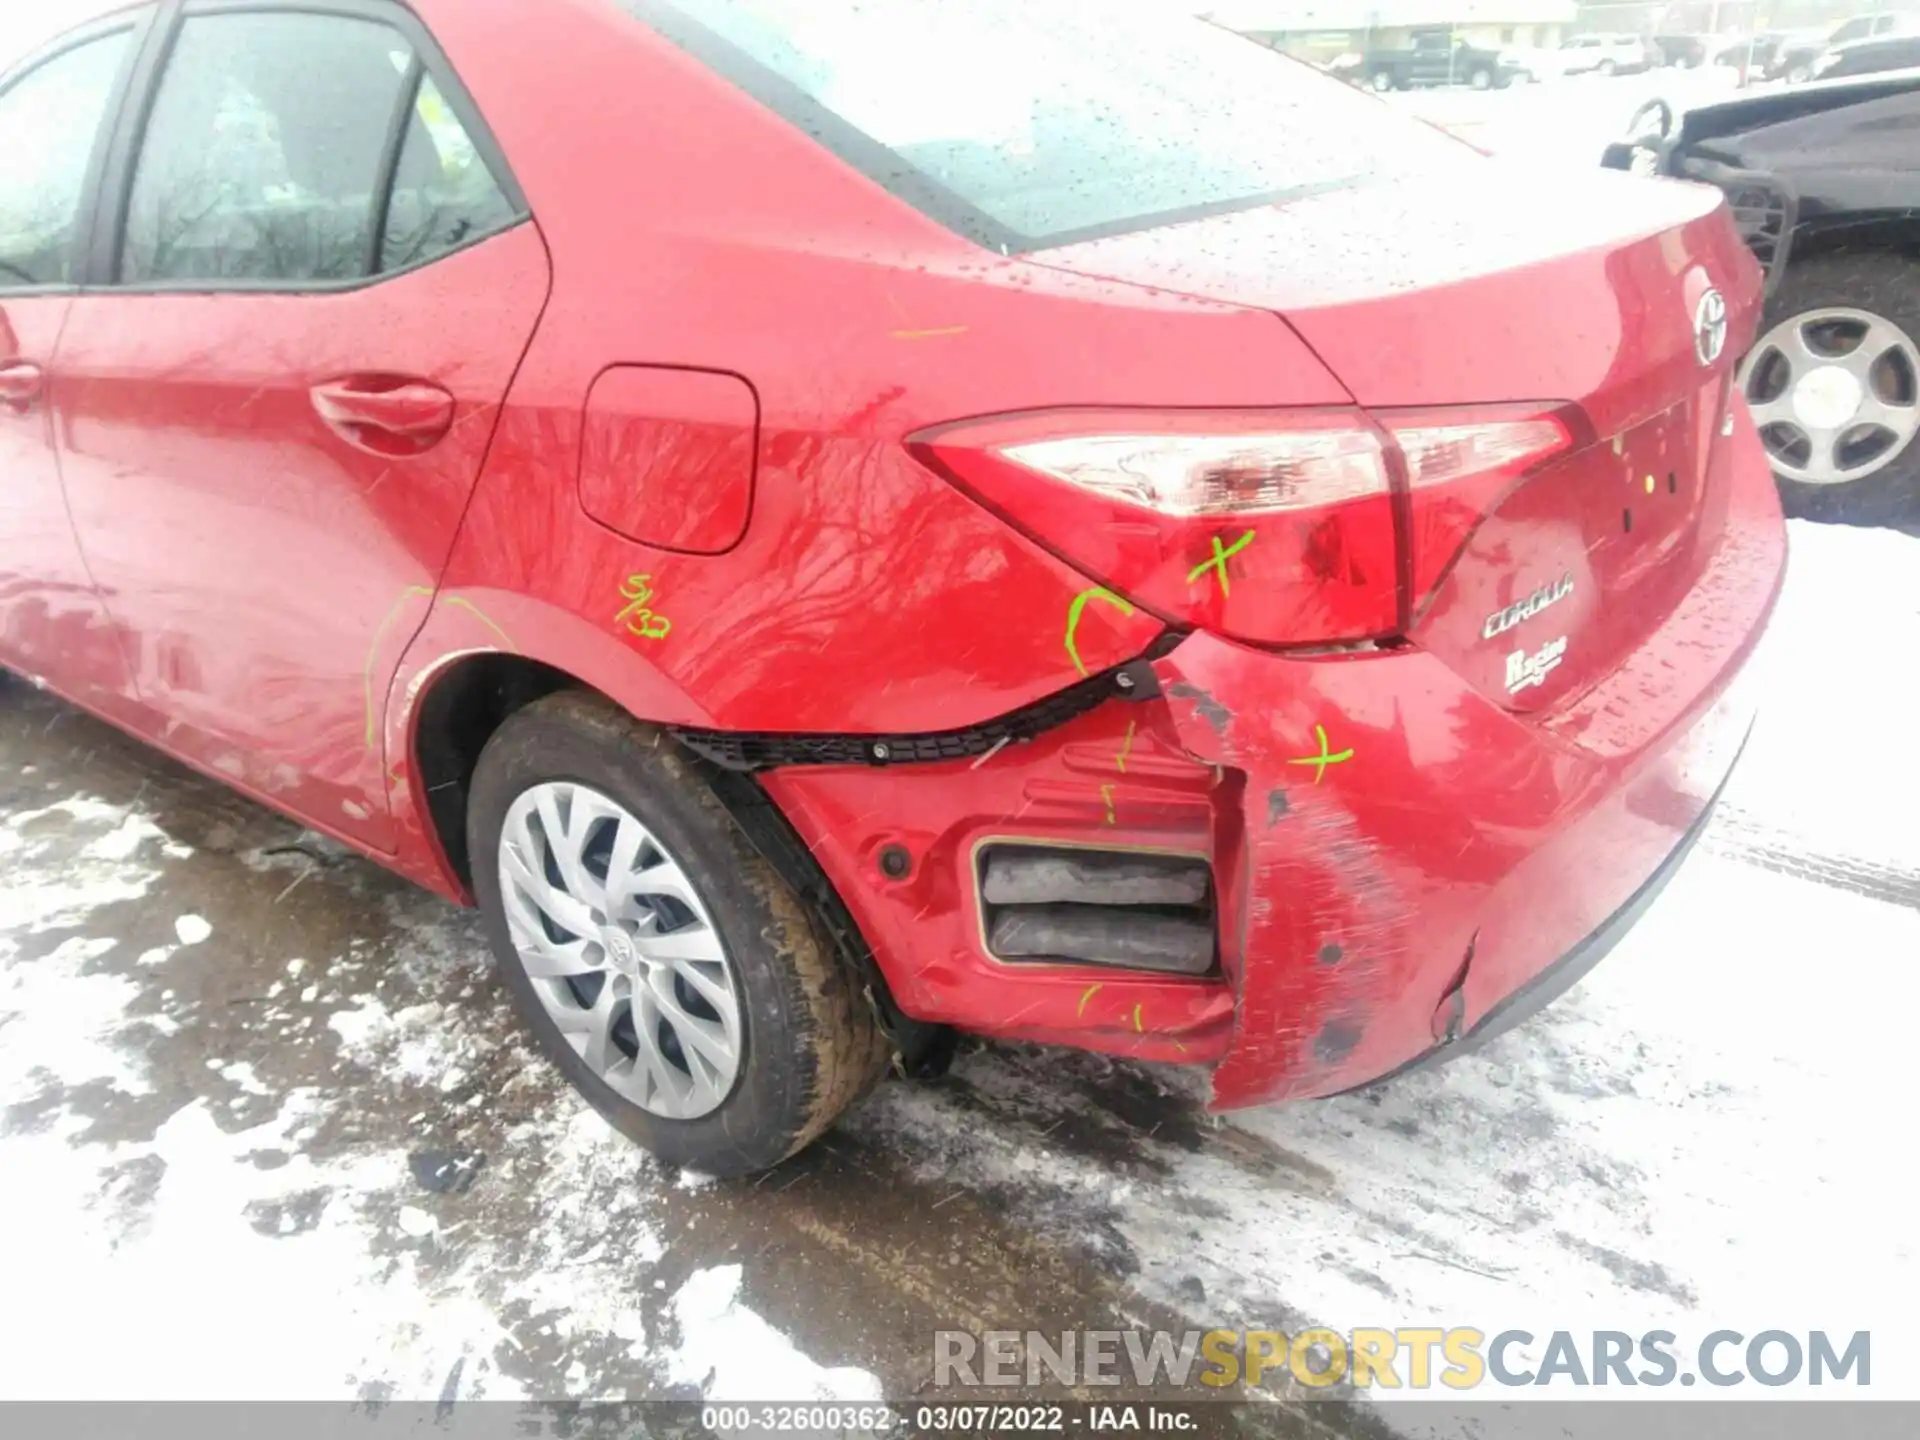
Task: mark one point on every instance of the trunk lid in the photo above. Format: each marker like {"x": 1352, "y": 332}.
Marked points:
{"x": 1490, "y": 285}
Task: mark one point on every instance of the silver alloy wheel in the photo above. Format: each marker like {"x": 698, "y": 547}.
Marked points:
{"x": 1835, "y": 392}
{"x": 620, "y": 949}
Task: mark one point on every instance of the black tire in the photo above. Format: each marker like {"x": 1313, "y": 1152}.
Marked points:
{"x": 1380, "y": 81}
{"x": 1607, "y": 67}
{"x": 1884, "y": 284}
{"x": 812, "y": 1045}
{"x": 1480, "y": 78}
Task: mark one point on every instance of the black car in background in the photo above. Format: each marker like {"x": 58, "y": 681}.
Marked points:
{"x": 1436, "y": 57}
{"x": 1794, "y": 60}
{"x": 1870, "y": 57}
{"x": 1824, "y": 184}
{"x": 1684, "y": 51}
{"x": 1756, "y": 52}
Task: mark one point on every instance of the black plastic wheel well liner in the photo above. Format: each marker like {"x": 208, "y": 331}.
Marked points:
{"x": 458, "y": 715}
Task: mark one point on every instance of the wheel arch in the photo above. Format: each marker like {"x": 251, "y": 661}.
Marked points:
{"x": 479, "y": 657}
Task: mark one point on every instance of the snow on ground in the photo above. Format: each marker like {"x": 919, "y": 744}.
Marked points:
{"x": 268, "y": 1139}
{"x": 1703, "y": 1134}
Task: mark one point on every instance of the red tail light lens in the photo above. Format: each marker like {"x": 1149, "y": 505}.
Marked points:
{"x": 1272, "y": 526}
{"x": 1277, "y": 527}
{"x": 1460, "y": 465}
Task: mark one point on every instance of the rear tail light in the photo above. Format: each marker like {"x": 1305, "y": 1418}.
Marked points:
{"x": 1280, "y": 527}
{"x": 1459, "y": 466}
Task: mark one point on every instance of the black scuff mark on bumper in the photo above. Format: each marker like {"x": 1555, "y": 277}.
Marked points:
{"x": 1571, "y": 968}
{"x": 1204, "y": 705}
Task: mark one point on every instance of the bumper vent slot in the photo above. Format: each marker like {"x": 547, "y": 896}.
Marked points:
{"x": 1116, "y": 909}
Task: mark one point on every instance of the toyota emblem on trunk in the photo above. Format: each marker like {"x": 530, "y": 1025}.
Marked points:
{"x": 1710, "y": 327}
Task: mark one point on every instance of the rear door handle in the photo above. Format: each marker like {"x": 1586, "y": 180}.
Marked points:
{"x": 411, "y": 415}
{"x": 21, "y": 382}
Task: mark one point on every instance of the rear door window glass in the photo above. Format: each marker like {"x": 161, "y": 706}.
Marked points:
{"x": 49, "y": 122}
{"x": 444, "y": 196}
{"x": 1023, "y": 125}
{"x": 264, "y": 150}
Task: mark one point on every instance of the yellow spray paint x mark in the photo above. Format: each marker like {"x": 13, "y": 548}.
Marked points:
{"x": 1098, "y": 592}
{"x": 1126, "y": 749}
{"x": 1138, "y": 1028}
{"x": 1106, "y": 794}
{"x": 1325, "y": 758}
{"x": 1085, "y": 996}
{"x": 929, "y": 334}
{"x": 1221, "y": 554}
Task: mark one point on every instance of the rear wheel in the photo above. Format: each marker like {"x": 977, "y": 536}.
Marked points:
{"x": 1799, "y": 73}
{"x": 1481, "y": 79}
{"x": 1381, "y": 81}
{"x": 1607, "y": 67}
{"x": 660, "y": 961}
{"x": 1834, "y": 385}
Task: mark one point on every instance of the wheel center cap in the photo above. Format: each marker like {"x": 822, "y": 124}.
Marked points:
{"x": 620, "y": 949}
{"x": 1827, "y": 397}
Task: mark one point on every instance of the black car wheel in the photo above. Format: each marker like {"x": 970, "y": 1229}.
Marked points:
{"x": 1799, "y": 72}
{"x": 1381, "y": 81}
{"x": 1481, "y": 79}
{"x": 662, "y": 964}
{"x": 1834, "y": 386}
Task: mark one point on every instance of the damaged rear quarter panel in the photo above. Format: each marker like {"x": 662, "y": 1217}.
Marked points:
{"x": 1380, "y": 803}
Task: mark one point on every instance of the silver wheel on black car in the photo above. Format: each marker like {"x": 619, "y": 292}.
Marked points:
{"x": 1834, "y": 387}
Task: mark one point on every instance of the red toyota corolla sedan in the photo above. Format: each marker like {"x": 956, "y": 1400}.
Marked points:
{"x": 844, "y": 522}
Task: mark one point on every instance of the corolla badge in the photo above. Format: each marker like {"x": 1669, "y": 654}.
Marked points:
{"x": 1502, "y": 621}
{"x": 1524, "y": 669}
{"x": 1710, "y": 327}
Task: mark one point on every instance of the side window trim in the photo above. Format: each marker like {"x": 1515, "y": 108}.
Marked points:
{"x": 138, "y": 25}
{"x": 114, "y": 187}
{"x": 396, "y": 143}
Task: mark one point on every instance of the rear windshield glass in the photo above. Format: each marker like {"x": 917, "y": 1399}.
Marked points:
{"x": 1028, "y": 123}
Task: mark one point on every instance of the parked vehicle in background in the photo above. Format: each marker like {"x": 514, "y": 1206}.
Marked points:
{"x": 1436, "y": 57}
{"x": 1683, "y": 52}
{"x": 1794, "y": 60}
{"x": 1870, "y": 57}
{"x": 1531, "y": 62}
{"x": 1824, "y": 183}
{"x": 1753, "y": 52}
{"x": 1598, "y": 53}
{"x": 837, "y": 523}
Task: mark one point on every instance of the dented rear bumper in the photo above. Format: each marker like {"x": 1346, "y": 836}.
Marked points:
{"x": 1410, "y": 858}
{"x": 1398, "y": 860}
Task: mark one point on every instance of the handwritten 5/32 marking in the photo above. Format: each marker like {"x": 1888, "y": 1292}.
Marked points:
{"x": 637, "y": 591}
{"x": 1325, "y": 758}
